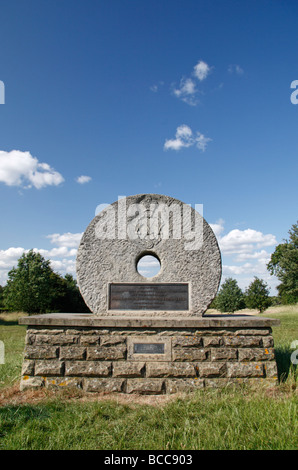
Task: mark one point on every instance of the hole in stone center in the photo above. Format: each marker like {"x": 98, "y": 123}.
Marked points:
{"x": 148, "y": 265}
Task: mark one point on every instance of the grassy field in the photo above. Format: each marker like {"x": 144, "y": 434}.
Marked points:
{"x": 239, "y": 418}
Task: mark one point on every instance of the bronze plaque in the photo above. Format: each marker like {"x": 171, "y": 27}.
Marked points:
{"x": 149, "y": 348}
{"x": 142, "y": 296}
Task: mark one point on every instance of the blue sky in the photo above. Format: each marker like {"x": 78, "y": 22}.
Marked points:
{"x": 189, "y": 99}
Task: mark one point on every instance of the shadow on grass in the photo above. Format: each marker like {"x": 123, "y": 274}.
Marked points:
{"x": 8, "y": 322}
{"x": 284, "y": 364}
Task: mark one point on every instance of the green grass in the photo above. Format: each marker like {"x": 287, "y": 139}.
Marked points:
{"x": 228, "y": 419}
{"x": 217, "y": 420}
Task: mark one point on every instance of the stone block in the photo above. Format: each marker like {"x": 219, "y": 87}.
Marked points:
{"x": 88, "y": 368}
{"x": 28, "y": 367}
{"x": 59, "y": 339}
{"x": 170, "y": 369}
{"x": 103, "y": 385}
{"x": 48, "y": 368}
{"x": 145, "y": 386}
{"x": 268, "y": 342}
{"x": 271, "y": 369}
{"x": 28, "y": 382}
{"x": 189, "y": 354}
{"x": 245, "y": 370}
{"x": 112, "y": 353}
{"x": 128, "y": 369}
{"x": 109, "y": 340}
{"x": 72, "y": 353}
{"x": 212, "y": 369}
{"x": 63, "y": 382}
{"x": 212, "y": 341}
{"x": 255, "y": 354}
{"x": 89, "y": 340}
{"x": 187, "y": 341}
{"x": 30, "y": 338}
{"x": 243, "y": 341}
{"x": 183, "y": 385}
{"x": 223, "y": 354}
{"x": 41, "y": 352}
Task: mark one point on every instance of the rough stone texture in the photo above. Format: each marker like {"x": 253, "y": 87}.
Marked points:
{"x": 196, "y": 358}
{"x": 109, "y": 255}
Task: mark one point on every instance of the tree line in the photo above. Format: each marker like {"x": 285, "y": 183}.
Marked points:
{"x": 283, "y": 264}
{"x": 33, "y": 286}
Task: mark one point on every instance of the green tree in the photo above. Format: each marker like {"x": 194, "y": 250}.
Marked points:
{"x": 32, "y": 287}
{"x": 1, "y": 298}
{"x": 284, "y": 265}
{"x": 257, "y": 295}
{"x": 230, "y": 297}
{"x": 72, "y": 300}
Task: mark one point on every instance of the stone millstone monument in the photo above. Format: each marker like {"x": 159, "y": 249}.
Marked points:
{"x": 147, "y": 335}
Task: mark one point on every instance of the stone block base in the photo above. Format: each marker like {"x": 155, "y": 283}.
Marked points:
{"x": 147, "y": 356}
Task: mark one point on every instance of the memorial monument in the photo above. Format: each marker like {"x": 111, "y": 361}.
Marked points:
{"x": 147, "y": 335}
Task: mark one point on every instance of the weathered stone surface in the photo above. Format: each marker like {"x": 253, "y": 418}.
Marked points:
{"x": 146, "y": 386}
{"x": 103, "y": 385}
{"x": 255, "y": 354}
{"x": 219, "y": 356}
{"x": 183, "y": 385}
{"x": 109, "y": 340}
{"x": 113, "y": 256}
{"x": 212, "y": 341}
{"x": 41, "y": 352}
{"x": 61, "y": 339}
{"x": 187, "y": 341}
{"x": 28, "y": 367}
{"x": 72, "y": 353}
{"x": 170, "y": 369}
{"x": 106, "y": 353}
{"x": 211, "y": 369}
{"x": 245, "y": 370}
{"x": 242, "y": 341}
{"x": 63, "y": 382}
{"x": 208, "y": 324}
{"x": 271, "y": 369}
{"x": 128, "y": 369}
{"x": 89, "y": 340}
{"x": 31, "y": 382}
{"x": 88, "y": 368}
{"x": 268, "y": 342}
{"x": 48, "y": 368}
{"x": 189, "y": 354}
{"x": 223, "y": 354}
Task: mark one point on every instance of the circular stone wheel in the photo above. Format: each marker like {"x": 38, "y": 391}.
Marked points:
{"x": 148, "y": 224}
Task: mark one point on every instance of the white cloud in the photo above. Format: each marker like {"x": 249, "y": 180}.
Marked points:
{"x": 83, "y": 179}
{"x": 187, "y": 91}
{"x": 201, "y": 70}
{"x": 155, "y": 88}
{"x": 236, "y": 69}
{"x": 69, "y": 240}
{"x": 218, "y": 227}
{"x": 184, "y": 138}
{"x": 245, "y": 241}
{"x": 245, "y": 255}
{"x": 62, "y": 256}
{"x": 19, "y": 168}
